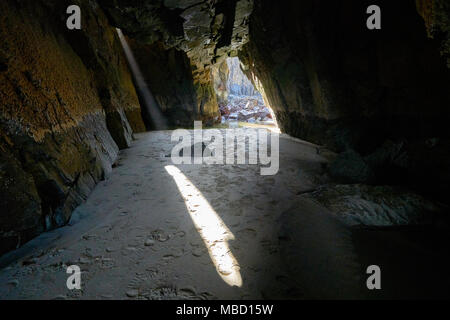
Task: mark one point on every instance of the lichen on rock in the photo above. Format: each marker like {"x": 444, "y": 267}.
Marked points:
{"x": 66, "y": 97}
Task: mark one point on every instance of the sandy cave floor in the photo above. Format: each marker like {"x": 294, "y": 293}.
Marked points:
{"x": 222, "y": 235}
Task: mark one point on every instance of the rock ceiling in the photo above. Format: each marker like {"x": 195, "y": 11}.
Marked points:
{"x": 206, "y": 30}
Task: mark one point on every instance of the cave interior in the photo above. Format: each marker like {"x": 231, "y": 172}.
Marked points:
{"x": 363, "y": 173}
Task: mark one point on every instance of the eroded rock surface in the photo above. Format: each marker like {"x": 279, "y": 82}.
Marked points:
{"x": 380, "y": 206}
{"x": 68, "y": 105}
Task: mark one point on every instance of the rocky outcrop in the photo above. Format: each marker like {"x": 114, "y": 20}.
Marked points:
{"x": 379, "y": 206}
{"x": 67, "y": 105}
{"x": 420, "y": 164}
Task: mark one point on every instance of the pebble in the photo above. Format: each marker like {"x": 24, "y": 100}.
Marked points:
{"x": 149, "y": 242}
{"x": 132, "y": 293}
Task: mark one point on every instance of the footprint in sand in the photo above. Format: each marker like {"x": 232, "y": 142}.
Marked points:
{"x": 107, "y": 263}
{"x": 180, "y": 234}
{"x": 159, "y": 235}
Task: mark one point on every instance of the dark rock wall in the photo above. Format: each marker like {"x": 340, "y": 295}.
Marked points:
{"x": 436, "y": 15}
{"x": 67, "y": 105}
{"x": 332, "y": 81}
{"x": 182, "y": 95}
{"x": 168, "y": 74}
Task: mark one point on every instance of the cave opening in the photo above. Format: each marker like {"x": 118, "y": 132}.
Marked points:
{"x": 241, "y": 98}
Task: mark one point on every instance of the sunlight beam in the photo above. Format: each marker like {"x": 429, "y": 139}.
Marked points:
{"x": 157, "y": 117}
{"x": 211, "y": 228}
